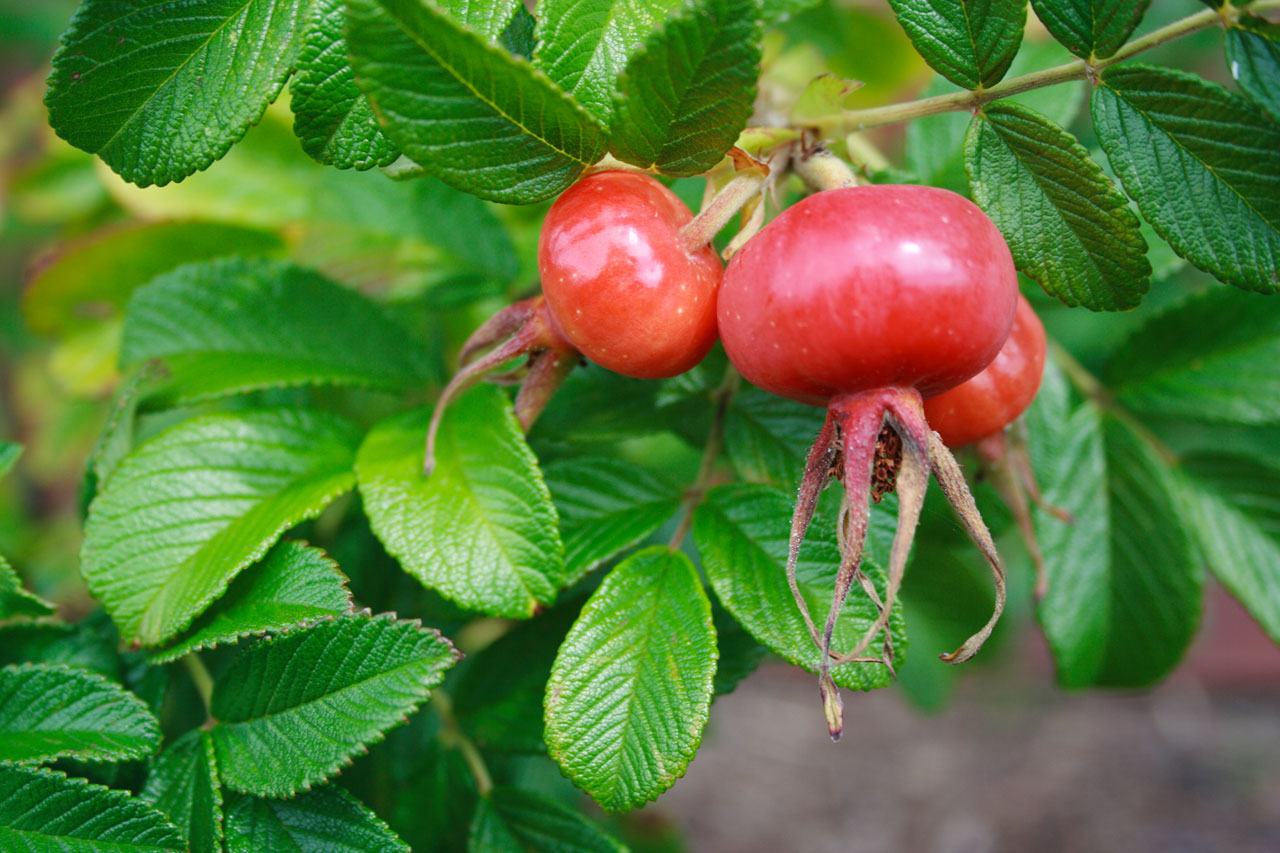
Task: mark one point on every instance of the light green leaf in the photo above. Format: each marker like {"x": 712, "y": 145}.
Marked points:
{"x": 1253, "y": 54}
{"x": 1067, "y": 225}
{"x": 325, "y": 820}
{"x": 183, "y": 783}
{"x": 240, "y": 324}
{"x": 605, "y": 506}
{"x": 293, "y": 709}
{"x": 687, "y": 93}
{"x": 472, "y": 114}
{"x": 1203, "y": 165}
{"x": 16, "y": 601}
{"x": 188, "y": 510}
{"x": 49, "y": 712}
{"x": 513, "y": 820}
{"x": 631, "y": 689}
{"x": 161, "y": 90}
{"x": 1091, "y": 29}
{"x": 481, "y": 529}
{"x": 971, "y": 43}
{"x": 293, "y": 585}
{"x": 1213, "y": 357}
{"x": 331, "y": 117}
{"x": 584, "y": 45}
{"x": 489, "y": 18}
{"x": 41, "y": 810}
{"x": 742, "y": 534}
{"x": 767, "y": 438}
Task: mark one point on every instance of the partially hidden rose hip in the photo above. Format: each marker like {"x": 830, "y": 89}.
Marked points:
{"x": 865, "y": 300}
{"x": 620, "y": 285}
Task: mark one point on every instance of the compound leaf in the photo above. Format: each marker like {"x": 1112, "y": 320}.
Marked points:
{"x": 1091, "y": 28}
{"x": 513, "y": 820}
{"x": 323, "y": 820}
{"x": 183, "y": 783}
{"x": 970, "y": 42}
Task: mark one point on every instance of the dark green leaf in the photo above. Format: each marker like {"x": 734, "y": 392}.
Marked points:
{"x": 161, "y": 90}
{"x": 481, "y": 529}
{"x": 331, "y": 117}
{"x": 767, "y": 437}
{"x": 518, "y": 36}
{"x": 970, "y": 42}
{"x": 512, "y": 820}
{"x": 291, "y": 586}
{"x": 293, "y": 709}
{"x": 238, "y": 324}
{"x": 742, "y": 534}
{"x": 188, "y": 510}
{"x": 473, "y": 115}
{"x": 16, "y": 601}
{"x": 1068, "y": 227}
{"x": 606, "y": 506}
{"x": 183, "y": 783}
{"x": 1203, "y": 165}
{"x": 41, "y": 810}
{"x": 739, "y": 652}
{"x": 89, "y": 644}
{"x": 325, "y": 820}
{"x": 1091, "y": 28}
{"x": 1253, "y": 52}
{"x": 631, "y": 688}
{"x": 9, "y": 453}
{"x": 49, "y": 712}
{"x": 687, "y": 93}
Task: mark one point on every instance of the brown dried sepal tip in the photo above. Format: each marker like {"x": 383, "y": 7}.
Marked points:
{"x": 523, "y": 329}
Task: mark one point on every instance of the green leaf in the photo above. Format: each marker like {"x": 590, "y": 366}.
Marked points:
{"x": 971, "y": 42}
{"x": 606, "y": 506}
{"x": 49, "y": 712}
{"x": 518, "y": 36}
{"x": 161, "y": 90}
{"x": 293, "y": 585}
{"x": 630, "y": 691}
{"x": 1067, "y": 225}
{"x": 325, "y": 820}
{"x": 512, "y": 820}
{"x": 331, "y": 117}
{"x": 188, "y": 510}
{"x": 41, "y": 810}
{"x": 293, "y": 709}
{"x": 1215, "y": 357}
{"x": 16, "y": 601}
{"x": 1253, "y": 54}
{"x": 776, "y": 11}
{"x": 473, "y": 115}
{"x": 89, "y": 644}
{"x": 584, "y": 45}
{"x": 9, "y": 453}
{"x": 183, "y": 783}
{"x": 767, "y": 438}
{"x": 238, "y": 324}
{"x": 481, "y": 529}
{"x": 1232, "y": 511}
{"x": 742, "y": 534}
{"x": 1091, "y": 28}
{"x": 1124, "y": 579}
{"x": 489, "y": 18}
{"x": 739, "y": 652}
{"x": 687, "y": 93}
{"x": 1203, "y": 165}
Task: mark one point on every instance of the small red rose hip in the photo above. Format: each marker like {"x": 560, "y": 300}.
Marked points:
{"x": 622, "y": 285}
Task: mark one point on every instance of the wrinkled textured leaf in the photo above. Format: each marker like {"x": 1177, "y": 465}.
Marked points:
{"x": 16, "y": 601}
{"x": 631, "y": 689}
{"x": 1203, "y": 165}
{"x": 161, "y": 90}
{"x": 1253, "y": 54}
{"x": 767, "y": 437}
{"x": 742, "y": 534}
{"x": 1067, "y": 225}
{"x": 55, "y": 711}
{"x": 687, "y": 93}
{"x": 481, "y": 529}
{"x": 188, "y": 510}
{"x": 1091, "y": 28}
{"x": 473, "y": 115}
{"x": 183, "y": 783}
{"x": 489, "y": 18}
{"x": 41, "y": 810}
{"x": 970, "y": 42}
{"x": 512, "y": 820}
{"x": 331, "y": 117}
{"x": 292, "y": 585}
{"x": 89, "y": 644}
{"x": 293, "y": 709}
{"x": 518, "y": 36}
{"x": 238, "y": 324}
{"x": 606, "y": 506}
{"x": 325, "y": 820}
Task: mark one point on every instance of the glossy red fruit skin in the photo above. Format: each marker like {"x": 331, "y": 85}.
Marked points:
{"x": 868, "y": 287}
{"x": 990, "y": 401}
{"x": 620, "y": 285}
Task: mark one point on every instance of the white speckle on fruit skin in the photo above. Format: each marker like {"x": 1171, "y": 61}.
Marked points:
{"x": 679, "y": 310}
{"x": 946, "y": 219}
